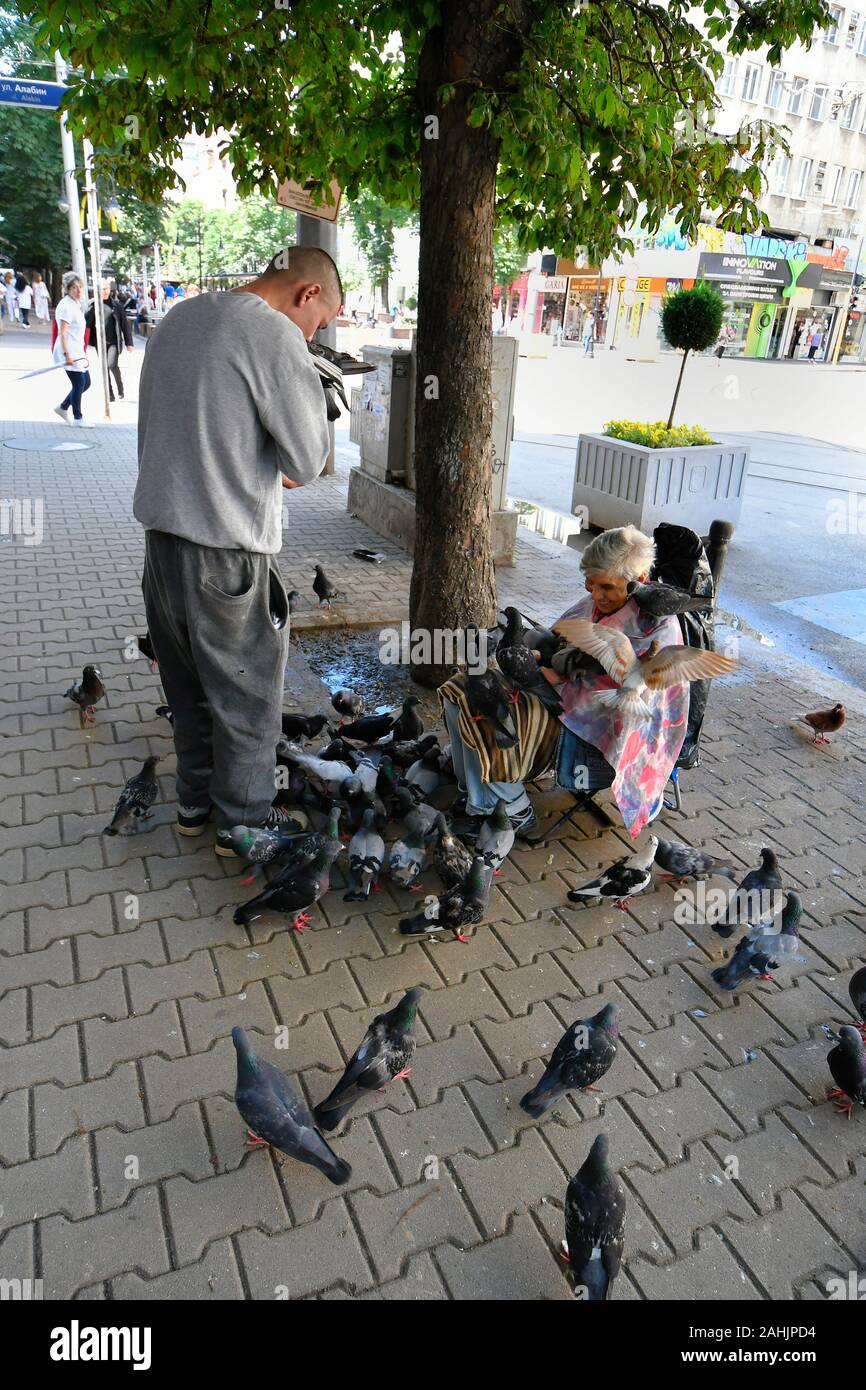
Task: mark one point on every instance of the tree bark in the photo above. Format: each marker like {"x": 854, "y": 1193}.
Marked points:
{"x": 677, "y": 392}
{"x": 453, "y": 581}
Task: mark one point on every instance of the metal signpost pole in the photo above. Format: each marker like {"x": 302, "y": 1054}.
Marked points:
{"x": 96, "y": 268}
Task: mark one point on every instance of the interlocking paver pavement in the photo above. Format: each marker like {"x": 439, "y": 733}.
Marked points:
{"x": 122, "y": 1167}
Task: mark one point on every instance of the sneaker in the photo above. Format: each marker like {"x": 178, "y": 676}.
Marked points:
{"x": 191, "y": 820}
{"x": 83, "y": 424}
{"x": 524, "y": 822}
{"x": 294, "y": 822}
{"x": 63, "y": 412}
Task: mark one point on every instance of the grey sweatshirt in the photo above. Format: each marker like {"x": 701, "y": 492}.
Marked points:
{"x": 229, "y": 399}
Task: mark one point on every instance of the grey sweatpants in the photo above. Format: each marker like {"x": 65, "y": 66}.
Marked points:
{"x": 221, "y": 661}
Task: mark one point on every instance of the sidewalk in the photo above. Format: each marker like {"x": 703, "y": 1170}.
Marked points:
{"x": 124, "y": 1173}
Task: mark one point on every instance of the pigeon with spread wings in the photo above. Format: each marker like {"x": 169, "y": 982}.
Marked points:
{"x": 636, "y": 675}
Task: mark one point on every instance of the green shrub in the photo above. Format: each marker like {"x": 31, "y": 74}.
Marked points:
{"x": 691, "y": 320}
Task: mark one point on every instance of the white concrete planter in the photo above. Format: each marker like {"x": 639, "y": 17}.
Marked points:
{"x": 616, "y": 483}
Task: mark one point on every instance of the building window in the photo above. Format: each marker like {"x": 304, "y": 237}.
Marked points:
{"x": 804, "y": 177}
{"x": 728, "y": 77}
{"x": 816, "y": 109}
{"x": 852, "y": 29}
{"x": 852, "y": 191}
{"x": 751, "y": 77}
{"x": 820, "y": 175}
{"x": 831, "y": 33}
{"x": 775, "y": 87}
{"x": 851, "y": 112}
{"x": 837, "y": 105}
{"x": 861, "y": 47}
{"x": 779, "y": 172}
{"x": 837, "y": 173}
{"x": 795, "y": 95}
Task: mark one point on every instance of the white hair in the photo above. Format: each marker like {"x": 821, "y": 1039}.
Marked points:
{"x": 70, "y": 279}
{"x": 623, "y": 551}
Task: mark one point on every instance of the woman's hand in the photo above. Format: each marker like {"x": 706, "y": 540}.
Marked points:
{"x": 552, "y": 677}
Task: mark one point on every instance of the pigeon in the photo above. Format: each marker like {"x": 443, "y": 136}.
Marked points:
{"x": 594, "y": 1225}
{"x": 495, "y": 838}
{"x": 544, "y": 641}
{"x": 488, "y": 697}
{"x": 635, "y": 675}
{"x": 404, "y": 753}
{"x": 629, "y": 875}
{"x": 756, "y": 899}
{"x": 348, "y": 703}
{"x": 323, "y": 588}
{"x": 462, "y": 906}
{"x": 295, "y": 891}
{"x": 384, "y": 1055}
{"x": 747, "y": 963}
{"x": 292, "y": 597}
{"x": 786, "y": 941}
{"x": 165, "y": 712}
{"x": 424, "y": 776}
{"x": 145, "y": 646}
{"x": 665, "y": 600}
{"x": 276, "y": 1114}
{"x": 847, "y": 1063}
{"x": 407, "y": 856}
{"x": 338, "y": 751}
{"x": 287, "y": 846}
{"x": 331, "y": 773}
{"x": 825, "y": 721}
{"x": 297, "y": 726}
{"x": 581, "y": 1057}
{"x": 451, "y": 859}
{"x": 87, "y": 693}
{"x": 135, "y": 801}
{"x": 680, "y": 862}
{"x": 857, "y": 991}
{"x": 368, "y": 729}
{"x": 408, "y": 723}
{"x": 405, "y": 806}
{"x": 520, "y": 667}
{"x": 366, "y": 852}
{"x": 388, "y": 778}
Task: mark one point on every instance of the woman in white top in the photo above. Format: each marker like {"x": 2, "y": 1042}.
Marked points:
{"x": 41, "y": 298}
{"x": 25, "y": 303}
{"x": 69, "y": 348}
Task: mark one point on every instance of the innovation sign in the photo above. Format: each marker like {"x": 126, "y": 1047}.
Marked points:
{"x": 30, "y": 91}
{"x": 769, "y": 279}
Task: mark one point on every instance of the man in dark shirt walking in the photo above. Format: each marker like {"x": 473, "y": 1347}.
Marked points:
{"x": 118, "y": 333}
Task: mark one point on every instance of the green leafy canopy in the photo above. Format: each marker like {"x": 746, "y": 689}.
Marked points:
{"x": 585, "y": 121}
{"x": 691, "y": 319}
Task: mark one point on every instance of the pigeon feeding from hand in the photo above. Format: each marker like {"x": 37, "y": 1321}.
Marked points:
{"x": 145, "y": 646}
{"x": 495, "y": 838}
{"x": 664, "y": 600}
{"x": 756, "y": 901}
{"x": 451, "y": 859}
{"x": 86, "y": 694}
{"x": 347, "y": 703}
{"x": 277, "y": 1116}
{"x": 297, "y": 726}
{"x": 407, "y": 856}
{"x": 581, "y": 1057}
{"x": 366, "y": 852}
{"x": 857, "y": 992}
{"x": 847, "y": 1063}
{"x": 825, "y": 721}
{"x": 519, "y": 666}
{"x": 323, "y": 588}
{"x": 629, "y": 875}
{"x": 460, "y": 907}
{"x": 409, "y": 723}
{"x": 135, "y": 801}
{"x": 384, "y": 1055}
{"x": 294, "y": 891}
{"x": 680, "y": 862}
{"x": 594, "y": 1225}
{"x": 488, "y": 698}
{"x": 635, "y": 675}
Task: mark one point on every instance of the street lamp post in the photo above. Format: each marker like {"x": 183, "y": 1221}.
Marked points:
{"x": 70, "y": 186}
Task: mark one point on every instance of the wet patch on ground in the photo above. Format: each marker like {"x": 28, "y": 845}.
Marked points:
{"x": 350, "y": 658}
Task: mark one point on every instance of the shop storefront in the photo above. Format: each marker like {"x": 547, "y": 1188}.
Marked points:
{"x": 587, "y": 293}
{"x": 853, "y": 344}
{"x": 639, "y": 300}
{"x": 552, "y": 301}
{"x": 756, "y": 308}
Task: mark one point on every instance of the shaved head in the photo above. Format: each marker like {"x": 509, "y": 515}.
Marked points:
{"x": 309, "y": 264}
{"x": 303, "y": 283}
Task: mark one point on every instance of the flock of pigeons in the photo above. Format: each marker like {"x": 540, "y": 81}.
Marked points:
{"x": 382, "y": 767}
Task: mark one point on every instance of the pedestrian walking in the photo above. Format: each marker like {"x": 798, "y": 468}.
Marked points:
{"x": 230, "y": 405}
{"x": 11, "y": 300}
{"x": 815, "y": 342}
{"x": 796, "y": 339}
{"x": 25, "y": 303}
{"x": 69, "y": 349}
{"x": 118, "y": 334}
{"x": 41, "y": 298}
{"x": 589, "y": 335}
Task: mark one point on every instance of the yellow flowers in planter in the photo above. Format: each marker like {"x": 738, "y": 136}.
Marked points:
{"x": 656, "y": 435}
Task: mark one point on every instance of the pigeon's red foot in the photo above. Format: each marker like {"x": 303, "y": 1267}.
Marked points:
{"x": 152, "y": 667}
{"x": 843, "y": 1106}
{"x": 819, "y": 738}
{"x": 496, "y": 873}
{"x": 564, "y": 1254}
{"x": 477, "y": 718}
{"x": 862, "y": 1028}
{"x": 301, "y": 921}
{"x": 254, "y": 1142}
{"x": 591, "y": 1088}
{"x": 401, "y": 1075}
{"x": 622, "y": 904}
{"x": 461, "y": 936}
{"x": 377, "y": 887}
{"x": 513, "y": 698}
{"x": 416, "y": 887}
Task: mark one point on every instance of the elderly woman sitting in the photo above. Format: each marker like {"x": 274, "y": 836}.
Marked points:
{"x": 592, "y": 744}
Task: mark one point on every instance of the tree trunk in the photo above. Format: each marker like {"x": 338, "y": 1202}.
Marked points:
{"x": 384, "y": 291}
{"x": 677, "y": 392}
{"x": 453, "y": 581}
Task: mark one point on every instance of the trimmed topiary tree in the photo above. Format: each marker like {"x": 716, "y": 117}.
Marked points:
{"x": 691, "y": 320}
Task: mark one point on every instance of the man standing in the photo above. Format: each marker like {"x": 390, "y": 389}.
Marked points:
{"x": 230, "y": 406}
{"x": 118, "y": 333}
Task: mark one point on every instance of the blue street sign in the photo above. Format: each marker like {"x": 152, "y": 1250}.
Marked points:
{"x": 31, "y": 91}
